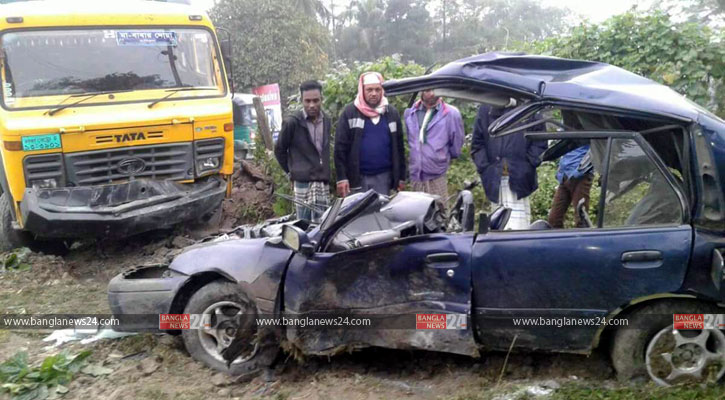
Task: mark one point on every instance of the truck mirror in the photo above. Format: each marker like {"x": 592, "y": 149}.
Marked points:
{"x": 226, "y": 48}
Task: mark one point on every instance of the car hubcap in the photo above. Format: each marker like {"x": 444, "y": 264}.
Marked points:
{"x": 686, "y": 356}
{"x": 222, "y": 322}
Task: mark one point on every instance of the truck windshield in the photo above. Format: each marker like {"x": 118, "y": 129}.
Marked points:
{"x": 66, "y": 62}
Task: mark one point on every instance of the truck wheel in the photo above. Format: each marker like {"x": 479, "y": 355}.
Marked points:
{"x": 650, "y": 347}
{"x": 222, "y": 302}
{"x": 10, "y": 238}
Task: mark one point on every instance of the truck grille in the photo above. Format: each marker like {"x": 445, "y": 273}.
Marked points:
{"x": 210, "y": 148}
{"x": 166, "y": 162}
{"x": 46, "y": 166}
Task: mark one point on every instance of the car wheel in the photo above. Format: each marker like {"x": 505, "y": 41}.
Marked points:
{"x": 650, "y": 347}
{"x": 220, "y": 303}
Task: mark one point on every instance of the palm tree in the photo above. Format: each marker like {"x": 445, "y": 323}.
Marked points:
{"x": 314, "y": 8}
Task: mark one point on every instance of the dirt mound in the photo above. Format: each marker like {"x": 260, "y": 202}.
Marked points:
{"x": 251, "y": 200}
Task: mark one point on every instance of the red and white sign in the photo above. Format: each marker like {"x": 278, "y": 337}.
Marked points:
{"x": 174, "y": 321}
{"x": 272, "y": 106}
{"x": 441, "y": 321}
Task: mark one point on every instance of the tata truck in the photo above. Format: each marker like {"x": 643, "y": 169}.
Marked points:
{"x": 115, "y": 119}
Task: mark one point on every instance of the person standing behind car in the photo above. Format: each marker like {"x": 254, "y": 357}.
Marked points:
{"x": 507, "y": 166}
{"x": 303, "y": 151}
{"x": 575, "y": 176}
{"x": 435, "y": 136}
{"x": 369, "y": 149}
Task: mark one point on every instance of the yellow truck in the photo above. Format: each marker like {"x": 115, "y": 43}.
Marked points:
{"x": 115, "y": 118}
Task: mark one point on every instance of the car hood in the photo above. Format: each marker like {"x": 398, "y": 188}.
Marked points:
{"x": 241, "y": 260}
{"x": 500, "y": 78}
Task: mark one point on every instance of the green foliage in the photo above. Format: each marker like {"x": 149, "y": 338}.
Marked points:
{"x": 17, "y": 260}
{"x": 688, "y": 57}
{"x": 49, "y": 379}
{"x": 478, "y": 26}
{"x": 272, "y": 42}
{"x": 639, "y": 392}
{"x": 282, "y": 184}
{"x": 387, "y": 27}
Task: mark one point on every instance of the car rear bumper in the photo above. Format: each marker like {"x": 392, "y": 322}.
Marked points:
{"x": 118, "y": 210}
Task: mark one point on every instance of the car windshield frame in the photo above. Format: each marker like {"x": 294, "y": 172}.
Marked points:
{"x": 215, "y": 74}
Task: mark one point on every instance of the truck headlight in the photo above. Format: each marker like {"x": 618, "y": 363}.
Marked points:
{"x": 44, "y": 183}
{"x": 208, "y": 155}
{"x": 207, "y": 164}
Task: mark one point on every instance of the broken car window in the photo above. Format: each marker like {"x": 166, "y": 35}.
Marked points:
{"x": 637, "y": 192}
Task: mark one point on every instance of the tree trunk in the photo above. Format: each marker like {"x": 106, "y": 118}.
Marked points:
{"x": 263, "y": 124}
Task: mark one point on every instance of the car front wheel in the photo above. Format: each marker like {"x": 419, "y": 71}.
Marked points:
{"x": 221, "y": 305}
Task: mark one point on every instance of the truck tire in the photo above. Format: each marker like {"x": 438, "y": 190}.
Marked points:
{"x": 646, "y": 325}
{"x": 221, "y": 300}
{"x": 10, "y": 238}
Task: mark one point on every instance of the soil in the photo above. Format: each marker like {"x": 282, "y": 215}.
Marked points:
{"x": 148, "y": 366}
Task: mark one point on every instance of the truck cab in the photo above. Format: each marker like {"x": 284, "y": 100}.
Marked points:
{"x": 115, "y": 119}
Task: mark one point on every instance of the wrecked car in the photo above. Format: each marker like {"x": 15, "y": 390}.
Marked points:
{"x": 653, "y": 245}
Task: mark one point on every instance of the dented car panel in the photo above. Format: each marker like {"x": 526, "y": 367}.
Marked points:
{"x": 420, "y": 274}
{"x": 257, "y": 265}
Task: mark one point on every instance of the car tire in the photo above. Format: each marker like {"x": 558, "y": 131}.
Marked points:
{"x": 226, "y": 298}
{"x": 10, "y": 238}
{"x": 631, "y": 343}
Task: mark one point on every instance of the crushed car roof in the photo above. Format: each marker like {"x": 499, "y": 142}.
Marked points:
{"x": 541, "y": 77}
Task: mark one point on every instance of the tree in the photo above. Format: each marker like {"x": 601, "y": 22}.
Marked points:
{"x": 273, "y": 42}
{"x": 702, "y": 11}
{"x": 478, "y": 26}
{"x": 688, "y": 57}
{"x": 408, "y": 30}
{"x": 362, "y": 40}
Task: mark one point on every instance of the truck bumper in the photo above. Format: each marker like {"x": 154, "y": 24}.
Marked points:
{"x": 138, "y": 296}
{"x": 118, "y": 210}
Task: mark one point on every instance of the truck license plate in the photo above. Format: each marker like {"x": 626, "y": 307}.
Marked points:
{"x": 41, "y": 142}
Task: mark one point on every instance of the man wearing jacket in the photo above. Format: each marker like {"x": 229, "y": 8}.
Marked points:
{"x": 435, "y": 136}
{"x": 507, "y": 165}
{"x": 369, "y": 150}
{"x": 303, "y": 151}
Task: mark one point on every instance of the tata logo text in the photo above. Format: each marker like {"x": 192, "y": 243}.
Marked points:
{"x": 129, "y": 137}
{"x": 131, "y": 166}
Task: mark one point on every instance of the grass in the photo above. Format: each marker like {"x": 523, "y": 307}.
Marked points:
{"x": 593, "y": 390}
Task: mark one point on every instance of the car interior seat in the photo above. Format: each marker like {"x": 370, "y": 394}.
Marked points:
{"x": 499, "y": 218}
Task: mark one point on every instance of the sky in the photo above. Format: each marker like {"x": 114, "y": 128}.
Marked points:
{"x": 594, "y": 10}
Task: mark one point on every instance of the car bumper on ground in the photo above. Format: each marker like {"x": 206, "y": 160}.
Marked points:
{"x": 138, "y": 296}
{"x": 118, "y": 210}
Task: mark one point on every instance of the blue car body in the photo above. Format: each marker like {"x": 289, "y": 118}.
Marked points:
{"x": 494, "y": 276}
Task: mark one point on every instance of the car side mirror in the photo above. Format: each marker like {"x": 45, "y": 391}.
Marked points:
{"x": 297, "y": 240}
{"x": 483, "y": 223}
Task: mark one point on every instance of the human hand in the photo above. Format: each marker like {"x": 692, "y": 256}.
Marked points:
{"x": 343, "y": 188}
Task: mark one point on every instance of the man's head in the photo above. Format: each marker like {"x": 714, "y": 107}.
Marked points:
{"x": 372, "y": 88}
{"x": 311, "y": 95}
{"x": 428, "y": 98}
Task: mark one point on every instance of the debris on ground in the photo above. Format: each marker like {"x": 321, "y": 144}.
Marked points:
{"x": 85, "y": 336}
{"x": 251, "y": 198}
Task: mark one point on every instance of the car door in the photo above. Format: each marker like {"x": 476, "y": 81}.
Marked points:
{"x": 390, "y": 283}
{"x": 550, "y": 289}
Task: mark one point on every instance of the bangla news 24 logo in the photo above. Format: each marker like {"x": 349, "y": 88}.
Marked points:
{"x": 698, "y": 321}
